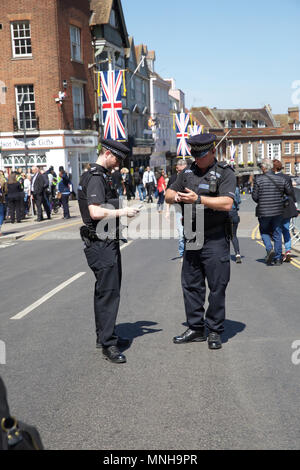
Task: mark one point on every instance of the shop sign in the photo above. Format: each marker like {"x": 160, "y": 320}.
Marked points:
{"x": 141, "y": 150}
{"x": 81, "y": 141}
{"x": 39, "y": 142}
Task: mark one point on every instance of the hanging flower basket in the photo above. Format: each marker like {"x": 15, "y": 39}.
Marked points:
{"x": 241, "y": 165}
{"x": 250, "y": 164}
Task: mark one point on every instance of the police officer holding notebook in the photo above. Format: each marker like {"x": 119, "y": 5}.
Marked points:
{"x": 98, "y": 202}
{"x": 211, "y": 184}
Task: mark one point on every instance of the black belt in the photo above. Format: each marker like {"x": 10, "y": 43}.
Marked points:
{"x": 89, "y": 236}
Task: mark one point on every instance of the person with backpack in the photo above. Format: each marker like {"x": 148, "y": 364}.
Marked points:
{"x": 235, "y": 219}
{"x": 289, "y": 212}
{"x": 270, "y": 192}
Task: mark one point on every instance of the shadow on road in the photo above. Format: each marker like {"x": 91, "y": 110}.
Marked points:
{"x": 232, "y": 328}
{"x": 134, "y": 330}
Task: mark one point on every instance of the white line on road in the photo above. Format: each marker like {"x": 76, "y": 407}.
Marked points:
{"x": 46, "y": 297}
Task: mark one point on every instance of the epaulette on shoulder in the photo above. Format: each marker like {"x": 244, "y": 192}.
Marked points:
{"x": 95, "y": 171}
{"x": 225, "y": 165}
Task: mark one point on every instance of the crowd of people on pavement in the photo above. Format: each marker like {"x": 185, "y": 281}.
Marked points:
{"x": 37, "y": 192}
{"x": 33, "y": 193}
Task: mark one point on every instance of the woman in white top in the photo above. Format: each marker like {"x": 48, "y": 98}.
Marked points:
{"x": 27, "y": 192}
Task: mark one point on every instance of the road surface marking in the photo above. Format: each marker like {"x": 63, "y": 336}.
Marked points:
{"x": 46, "y": 297}
{"x": 35, "y": 235}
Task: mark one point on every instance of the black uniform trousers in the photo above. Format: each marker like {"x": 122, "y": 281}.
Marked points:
{"x": 104, "y": 259}
{"x": 211, "y": 263}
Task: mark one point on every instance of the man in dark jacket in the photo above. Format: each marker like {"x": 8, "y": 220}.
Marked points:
{"x": 289, "y": 212}
{"x": 38, "y": 188}
{"x": 269, "y": 192}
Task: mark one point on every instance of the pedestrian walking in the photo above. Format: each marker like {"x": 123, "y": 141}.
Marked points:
{"x": 235, "y": 219}
{"x": 149, "y": 181}
{"x": 65, "y": 191}
{"x": 126, "y": 183}
{"x": 117, "y": 181}
{"x": 181, "y": 165}
{"x": 212, "y": 184}
{"x": 140, "y": 186}
{"x": 27, "y": 193}
{"x": 15, "y": 198}
{"x": 38, "y": 191}
{"x": 270, "y": 192}
{"x": 102, "y": 250}
{"x": 290, "y": 211}
{"x": 3, "y": 193}
{"x": 161, "y": 188}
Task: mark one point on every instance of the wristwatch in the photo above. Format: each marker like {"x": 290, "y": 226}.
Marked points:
{"x": 198, "y": 200}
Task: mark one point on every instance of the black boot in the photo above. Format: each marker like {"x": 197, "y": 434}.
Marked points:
{"x": 190, "y": 336}
{"x": 113, "y": 354}
{"x": 214, "y": 341}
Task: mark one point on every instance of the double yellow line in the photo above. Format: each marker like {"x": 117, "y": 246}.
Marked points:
{"x": 256, "y": 236}
{"x": 35, "y": 235}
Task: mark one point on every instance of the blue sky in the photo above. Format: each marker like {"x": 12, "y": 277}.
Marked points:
{"x": 228, "y": 54}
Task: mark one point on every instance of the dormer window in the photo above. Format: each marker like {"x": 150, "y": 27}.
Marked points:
{"x": 249, "y": 124}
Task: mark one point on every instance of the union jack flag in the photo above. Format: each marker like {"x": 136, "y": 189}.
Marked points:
{"x": 112, "y": 105}
{"x": 182, "y": 121}
{"x": 195, "y": 129}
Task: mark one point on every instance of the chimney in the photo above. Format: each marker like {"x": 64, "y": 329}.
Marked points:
{"x": 294, "y": 113}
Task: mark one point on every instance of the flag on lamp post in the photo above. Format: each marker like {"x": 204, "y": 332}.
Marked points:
{"x": 111, "y": 83}
{"x": 182, "y": 121}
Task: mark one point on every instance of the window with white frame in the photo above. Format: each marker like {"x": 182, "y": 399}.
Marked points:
{"x": 26, "y": 114}
{"x": 238, "y": 124}
{"x": 287, "y": 148}
{"x": 250, "y": 153}
{"x": 240, "y": 154}
{"x": 260, "y": 149}
{"x": 228, "y": 124}
{"x": 75, "y": 43}
{"x": 249, "y": 124}
{"x": 288, "y": 168}
{"x": 297, "y": 148}
{"x": 78, "y": 105}
{"x": 297, "y": 168}
{"x": 261, "y": 124}
{"x": 274, "y": 151}
{"x": 21, "y": 39}
{"x": 297, "y": 126}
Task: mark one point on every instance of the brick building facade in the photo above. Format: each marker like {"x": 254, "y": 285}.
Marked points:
{"x": 45, "y": 50}
{"x": 253, "y": 134}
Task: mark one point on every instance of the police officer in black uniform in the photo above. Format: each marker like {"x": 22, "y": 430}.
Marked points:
{"x": 98, "y": 201}
{"x": 212, "y": 184}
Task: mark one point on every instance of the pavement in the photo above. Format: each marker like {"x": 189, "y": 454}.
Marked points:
{"x": 167, "y": 396}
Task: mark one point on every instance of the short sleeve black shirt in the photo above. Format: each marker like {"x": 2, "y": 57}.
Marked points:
{"x": 96, "y": 189}
{"x": 199, "y": 182}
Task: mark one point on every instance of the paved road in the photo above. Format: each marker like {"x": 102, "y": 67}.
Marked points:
{"x": 167, "y": 396}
